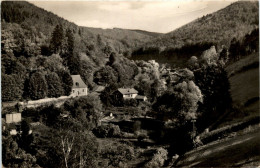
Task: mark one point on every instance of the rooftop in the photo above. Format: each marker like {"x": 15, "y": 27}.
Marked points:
{"x": 78, "y": 82}
{"x": 126, "y": 91}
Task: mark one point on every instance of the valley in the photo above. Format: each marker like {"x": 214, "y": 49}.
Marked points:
{"x": 75, "y": 96}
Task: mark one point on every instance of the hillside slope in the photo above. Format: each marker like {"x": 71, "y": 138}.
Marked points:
{"x": 38, "y": 43}
{"x": 244, "y": 89}
{"x": 239, "y": 151}
{"x": 220, "y": 27}
{"x": 20, "y": 16}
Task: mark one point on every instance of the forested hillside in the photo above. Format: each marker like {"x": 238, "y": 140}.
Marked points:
{"x": 32, "y": 18}
{"x": 219, "y": 28}
{"x": 39, "y": 45}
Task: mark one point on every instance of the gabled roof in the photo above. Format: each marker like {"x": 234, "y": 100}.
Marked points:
{"x": 126, "y": 91}
{"x": 78, "y": 82}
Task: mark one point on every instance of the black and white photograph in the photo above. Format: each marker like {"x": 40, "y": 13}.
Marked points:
{"x": 130, "y": 84}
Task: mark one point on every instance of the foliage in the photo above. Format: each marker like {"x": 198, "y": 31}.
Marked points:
{"x": 65, "y": 145}
{"x": 158, "y": 159}
{"x": 56, "y": 43}
{"x": 49, "y": 115}
{"x": 181, "y": 102}
{"x": 54, "y": 85}
{"x": 37, "y": 86}
{"x": 220, "y": 27}
{"x": 105, "y": 76}
{"x": 215, "y": 86}
{"x": 28, "y": 31}
{"x": 70, "y": 42}
{"x": 174, "y": 55}
{"x": 107, "y": 131}
{"x": 117, "y": 154}
{"x": 53, "y": 63}
{"x": 130, "y": 102}
{"x": 10, "y": 89}
{"x": 209, "y": 56}
{"x": 13, "y": 156}
{"x": 66, "y": 81}
{"x": 87, "y": 110}
{"x": 26, "y": 138}
{"x": 75, "y": 147}
{"x": 249, "y": 44}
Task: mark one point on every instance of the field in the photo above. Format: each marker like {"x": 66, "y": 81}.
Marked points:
{"x": 244, "y": 89}
{"x": 239, "y": 151}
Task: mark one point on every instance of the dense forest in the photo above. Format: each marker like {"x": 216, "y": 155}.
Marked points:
{"x": 34, "y": 40}
{"x": 220, "y": 28}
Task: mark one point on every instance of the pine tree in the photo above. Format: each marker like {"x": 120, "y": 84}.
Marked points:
{"x": 70, "y": 42}
{"x": 57, "y": 39}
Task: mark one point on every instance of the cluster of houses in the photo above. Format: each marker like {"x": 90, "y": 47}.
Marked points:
{"x": 79, "y": 88}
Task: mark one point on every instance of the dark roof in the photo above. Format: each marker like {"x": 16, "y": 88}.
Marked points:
{"x": 126, "y": 91}
{"x": 77, "y": 79}
{"x": 140, "y": 97}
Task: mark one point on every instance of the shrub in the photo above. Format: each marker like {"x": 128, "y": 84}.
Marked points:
{"x": 105, "y": 131}
{"x": 158, "y": 159}
{"x": 118, "y": 155}
{"x": 130, "y": 102}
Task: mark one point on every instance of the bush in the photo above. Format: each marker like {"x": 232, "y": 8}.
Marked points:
{"x": 118, "y": 155}
{"x": 130, "y": 102}
{"x": 105, "y": 131}
{"x": 158, "y": 159}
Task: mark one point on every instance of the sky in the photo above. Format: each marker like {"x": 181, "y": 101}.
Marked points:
{"x": 155, "y": 16}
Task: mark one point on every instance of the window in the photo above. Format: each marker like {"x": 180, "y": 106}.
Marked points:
{"x": 77, "y": 84}
{"x": 83, "y": 90}
{"x": 73, "y": 91}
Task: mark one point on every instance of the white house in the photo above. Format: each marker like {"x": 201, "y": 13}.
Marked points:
{"x": 128, "y": 93}
{"x": 131, "y": 93}
{"x": 79, "y": 88}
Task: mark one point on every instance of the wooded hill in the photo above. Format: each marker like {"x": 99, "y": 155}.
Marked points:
{"x": 219, "y": 28}
{"x": 33, "y": 26}
{"x": 37, "y": 43}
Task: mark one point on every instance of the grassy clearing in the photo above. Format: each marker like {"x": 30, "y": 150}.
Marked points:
{"x": 244, "y": 88}
{"x": 243, "y": 64}
{"x": 238, "y": 151}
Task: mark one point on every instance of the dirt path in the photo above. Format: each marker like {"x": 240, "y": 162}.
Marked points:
{"x": 238, "y": 151}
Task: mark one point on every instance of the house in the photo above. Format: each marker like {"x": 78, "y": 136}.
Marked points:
{"x": 128, "y": 93}
{"x": 131, "y": 93}
{"x": 79, "y": 88}
{"x": 13, "y": 118}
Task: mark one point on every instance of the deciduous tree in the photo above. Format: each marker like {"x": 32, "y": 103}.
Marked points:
{"x": 37, "y": 86}
{"x": 55, "y": 88}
